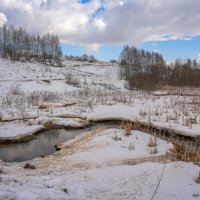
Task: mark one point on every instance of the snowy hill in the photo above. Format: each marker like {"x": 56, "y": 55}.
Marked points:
{"x": 104, "y": 163}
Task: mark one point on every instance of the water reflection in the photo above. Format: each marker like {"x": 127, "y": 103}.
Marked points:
{"x": 43, "y": 145}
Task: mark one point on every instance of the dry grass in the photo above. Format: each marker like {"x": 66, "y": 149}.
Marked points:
{"x": 185, "y": 154}
{"x": 179, "y": 108}
{"x": 116, "y": 138}
{"x": 198, "y": 178}
{"x": 153, "y": 150}
{"x": 152, "y": 142}
{"x": 197, "y": 141}
{"x": 131, "y": 146}
{"x": 128, "y": 126}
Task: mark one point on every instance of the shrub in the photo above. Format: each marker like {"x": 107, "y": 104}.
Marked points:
{"x": 71, "y": 80}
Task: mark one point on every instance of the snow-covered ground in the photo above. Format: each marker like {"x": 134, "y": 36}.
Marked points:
{"x": 97, "y": 90}
{"x": 17, "y": 130}
{"x": 95, "y": 165}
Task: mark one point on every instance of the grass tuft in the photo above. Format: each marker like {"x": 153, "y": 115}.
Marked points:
{"x": 198, "y": 178}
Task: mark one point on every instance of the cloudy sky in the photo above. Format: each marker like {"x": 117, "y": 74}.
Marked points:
{"x": 102, "y": 27}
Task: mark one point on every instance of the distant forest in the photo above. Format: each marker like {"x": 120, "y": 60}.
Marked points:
{"x": 84, "y": 57}
{"x": 142, "y": 69}
{"x": 148, "y": 70}
{"x": 18, "y": 44}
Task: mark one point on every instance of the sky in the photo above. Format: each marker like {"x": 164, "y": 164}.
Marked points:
{"x": 103, "y": 27}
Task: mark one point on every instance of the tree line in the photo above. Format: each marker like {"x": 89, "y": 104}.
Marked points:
{"x": 147, "y": 70}
{"x": 84, "y": 57}
{"x": 18, "y": 44}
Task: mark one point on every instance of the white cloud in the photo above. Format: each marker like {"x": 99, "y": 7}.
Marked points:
{"x": 3, "y": 19}
{"x": 143, "y": 20}
{"x": 167, "y": 37}
{"x": 111, "y": 4}
{"x": 100, "y": 24}
{"x": 122, "y": 22}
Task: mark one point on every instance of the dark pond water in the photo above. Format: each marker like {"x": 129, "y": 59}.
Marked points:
{"x": 43, "y": 145}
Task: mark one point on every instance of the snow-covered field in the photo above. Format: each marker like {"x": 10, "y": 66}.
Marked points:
{"x": 96, "y": 90}
{"x": 95, "y": 165}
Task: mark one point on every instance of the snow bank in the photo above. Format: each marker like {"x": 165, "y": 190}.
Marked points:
{"x": 14, "y": 131}
{"x": 70, "y": 122}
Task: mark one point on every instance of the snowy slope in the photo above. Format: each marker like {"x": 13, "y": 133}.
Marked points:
{"x": 94, "y": 165}
{"x": 98, "y": 91}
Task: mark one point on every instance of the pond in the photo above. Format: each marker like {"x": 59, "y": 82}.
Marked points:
{"x": 43, "y": 145}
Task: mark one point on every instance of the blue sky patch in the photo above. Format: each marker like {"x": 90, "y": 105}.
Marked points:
{"x": 99, "y": 11}
{"x": 84, "y": 1}
{"x": 170, "y": 49}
